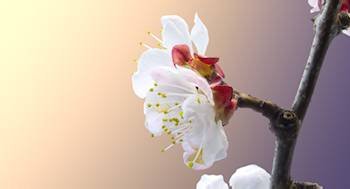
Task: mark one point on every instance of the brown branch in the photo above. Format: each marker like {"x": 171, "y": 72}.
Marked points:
{"x": 285, "y": 124}
{"x": 266, "y": 108}
{"x": 306, "y": 185}
{"x": 326, "y": 29}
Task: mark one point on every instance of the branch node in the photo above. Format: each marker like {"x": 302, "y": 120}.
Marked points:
{"x": 286, "y": 125}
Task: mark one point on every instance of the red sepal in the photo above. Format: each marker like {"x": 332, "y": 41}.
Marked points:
{"x": 345, "y": 5}
{"x": 225, "y": 104}
{"x": 222, "y": 95}
{"x": 207, "y": 60}
{"x": 181, "y": 54}
{"x": 219, "y": 70}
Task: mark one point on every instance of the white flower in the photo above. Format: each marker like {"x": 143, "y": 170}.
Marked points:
{"x": 250, "y": 177}
{"x": 211, "y": 182}
{"x": 178, "y": 101}
{"x": 317, "y": 5}
{"x": 180, "y": 104}
{"x": 175, "y": 31}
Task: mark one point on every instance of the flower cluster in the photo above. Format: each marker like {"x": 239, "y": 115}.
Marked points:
{"x": 318, "y": 4}
{"x": 184, "y": 92}
{"x": 248, "y": 177}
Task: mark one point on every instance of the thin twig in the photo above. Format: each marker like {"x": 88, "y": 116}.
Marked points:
{"x": 267, "y": 108}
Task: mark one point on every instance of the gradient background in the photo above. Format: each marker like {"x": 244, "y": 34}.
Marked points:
{"x": 69, "y": 118}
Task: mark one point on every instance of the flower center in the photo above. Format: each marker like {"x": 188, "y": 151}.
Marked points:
{"x": 168, "y": 105}
{"x": 203, "y": 69}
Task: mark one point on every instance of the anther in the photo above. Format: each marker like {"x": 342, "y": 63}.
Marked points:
{"x": 190, "y": 164}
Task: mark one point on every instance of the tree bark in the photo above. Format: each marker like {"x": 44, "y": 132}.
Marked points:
{"x": 285, "y": 124}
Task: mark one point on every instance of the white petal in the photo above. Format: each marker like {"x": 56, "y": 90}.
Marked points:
{"x": 211, "y": 182}
{"x": 183, "y": 77}
{"x": 347, "y": 32}
{"x": 154, "y": 122}
{"x": 175, "y": 31}
{"x": 206, "y": 137}
{"x": 316, "y": 5}
{"x": 199, "y": 35}
{"x": 149, "y": 60}
{"x": 216, "y": 144}
{"x": 250, "y": 177}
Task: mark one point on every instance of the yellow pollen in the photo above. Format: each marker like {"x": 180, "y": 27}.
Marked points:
{"x": 181, "y": 114}
{"x": 190, "y": 164}
{"x": 151, "y": 90}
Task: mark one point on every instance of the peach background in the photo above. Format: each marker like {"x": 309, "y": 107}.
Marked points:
{"x": 69, "y": 118}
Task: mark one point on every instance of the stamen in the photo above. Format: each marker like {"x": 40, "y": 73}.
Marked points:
{"x": 181, "y": 130}
{"x": 155, "y": 37}
{"x": 189, "y": 90}
{"x": 174, "y": 107}
{"x": 145, "y": 45}
{"x": 168, "y": 147}
{"x": 178, "y": 94}
{"x": 160, "y": 45}
{"x": 199, "y": 151}
{"x": 190, "y": 164}
{"x": 181, "y": 114}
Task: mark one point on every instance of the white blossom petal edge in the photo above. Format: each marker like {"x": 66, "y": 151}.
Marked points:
{"x": 175, "y": 31}
{"x": 250, "y": 177}
{"x": 151, "y": 59}
{"x": 199, "y": 35}
{"x": 315, "y": 4}
{"x": 211, "y": 182}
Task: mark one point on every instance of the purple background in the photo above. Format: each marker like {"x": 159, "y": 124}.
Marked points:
{"x": 69, "y": 118}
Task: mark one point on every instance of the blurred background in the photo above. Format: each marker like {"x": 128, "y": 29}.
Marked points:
{"x": 69, "y": 118}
